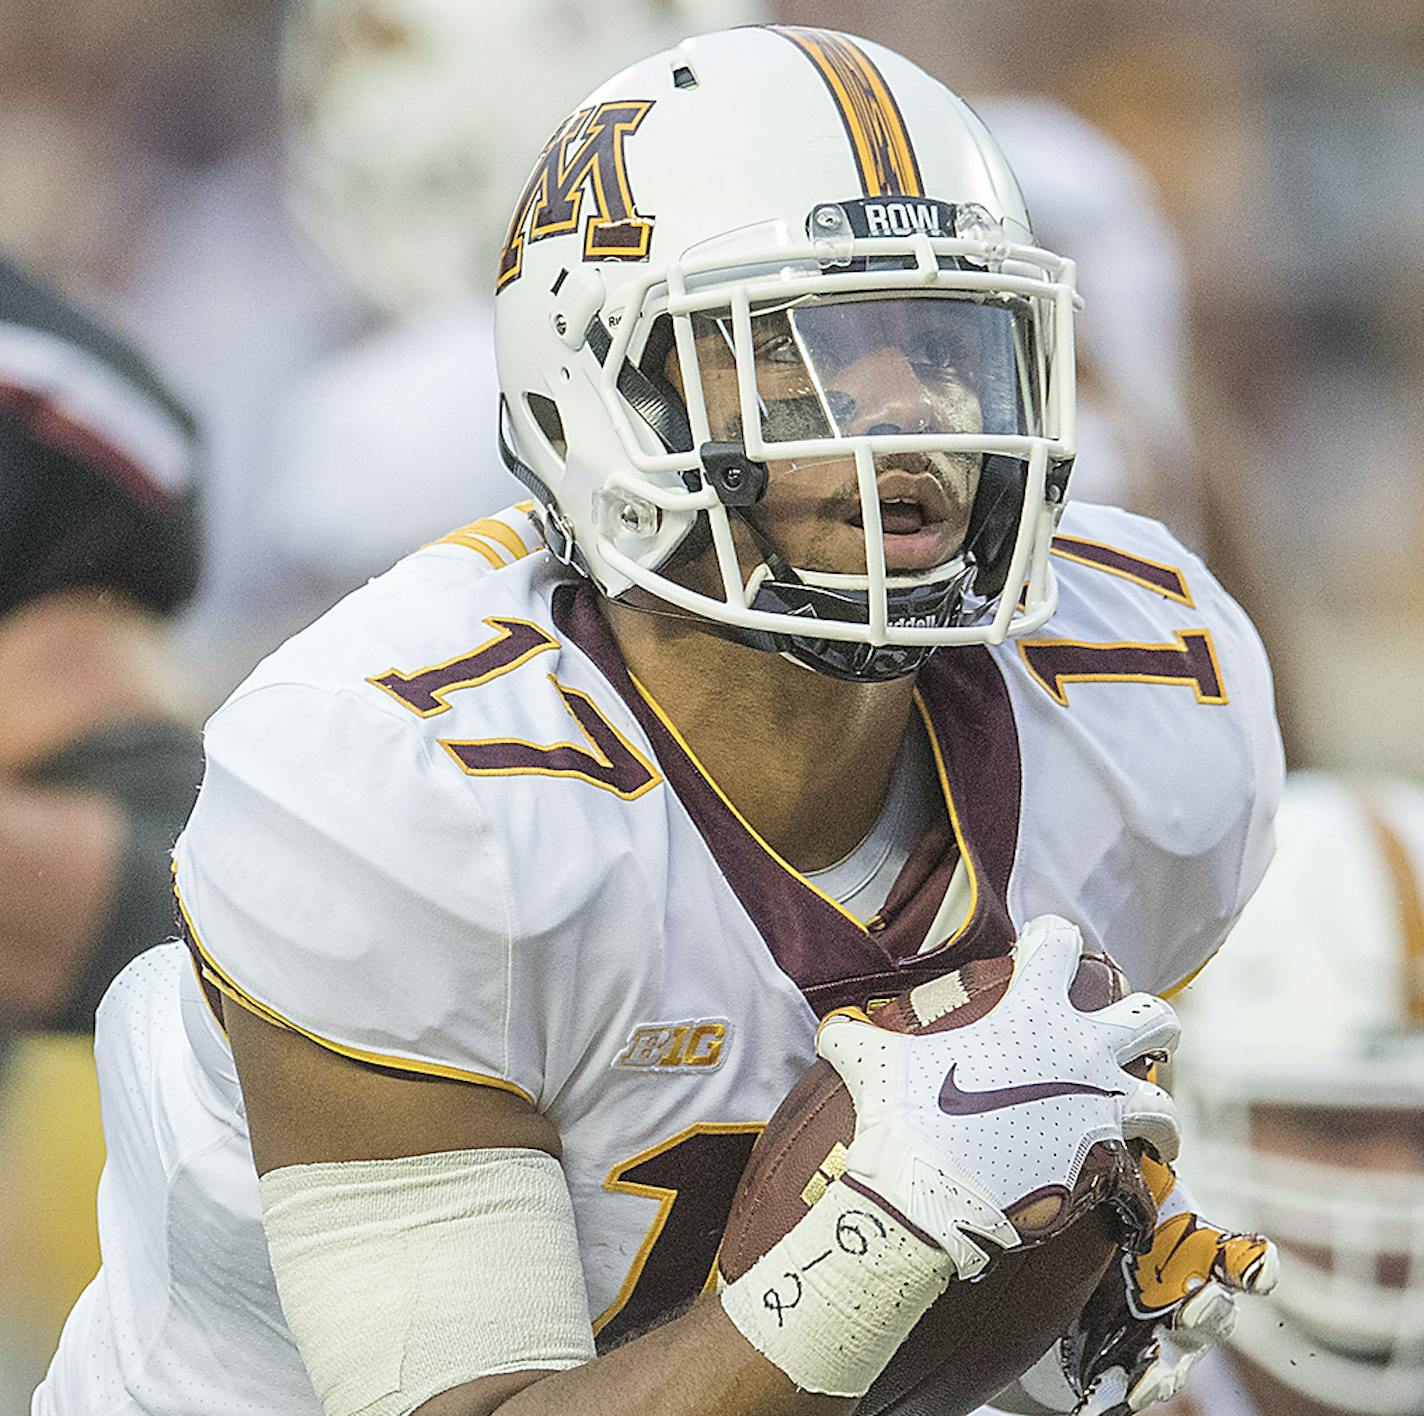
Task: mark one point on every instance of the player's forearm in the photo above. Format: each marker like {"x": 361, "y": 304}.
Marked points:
{"x": 696, "y": 1365}
{"x": 823, "y": 1310}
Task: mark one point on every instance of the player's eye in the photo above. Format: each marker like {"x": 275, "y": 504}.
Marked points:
{"x": 937, "y": 355}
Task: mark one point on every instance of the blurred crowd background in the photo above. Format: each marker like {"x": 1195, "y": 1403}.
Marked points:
{"x": 221, "y": 183}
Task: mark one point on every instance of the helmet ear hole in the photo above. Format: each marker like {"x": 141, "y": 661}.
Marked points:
{"x": 545, "y": 413}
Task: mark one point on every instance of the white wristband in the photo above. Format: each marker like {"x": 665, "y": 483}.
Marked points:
{"x": 831, "y": 1301}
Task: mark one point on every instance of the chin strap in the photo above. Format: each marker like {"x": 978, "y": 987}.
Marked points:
{"x": 557, "y": 533}
{"x": 926, "y": 606}
{"x": 647, "y": 392}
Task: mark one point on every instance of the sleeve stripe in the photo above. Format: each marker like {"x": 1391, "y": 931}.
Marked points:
{"x": 483, "y": 536}
{"x": 497, "y": 531}
{"x": 213, "y": 975}
{"x": 471, "y": 542}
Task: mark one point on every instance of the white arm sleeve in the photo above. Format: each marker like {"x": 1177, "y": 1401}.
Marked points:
{"x": 401, "y": 1279}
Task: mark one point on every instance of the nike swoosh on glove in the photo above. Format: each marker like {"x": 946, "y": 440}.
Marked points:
{"x": 956, "y": 1130}
{"x": 1154, "y": 1315}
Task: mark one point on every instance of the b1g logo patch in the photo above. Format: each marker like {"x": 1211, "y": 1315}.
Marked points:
{"x": 663, "y": 1047}
{"x": 585, "y": 157}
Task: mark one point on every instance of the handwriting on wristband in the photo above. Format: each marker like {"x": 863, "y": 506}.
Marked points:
{"x": 856, "y": 1231}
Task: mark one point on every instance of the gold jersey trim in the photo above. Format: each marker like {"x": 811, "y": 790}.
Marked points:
{"x": 1176, "y": 988}
{"x": 947, "y": 792}
{"x": 229, "y": 989}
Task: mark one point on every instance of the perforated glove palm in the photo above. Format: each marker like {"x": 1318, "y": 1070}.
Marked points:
{"x": 977, "y": 1134}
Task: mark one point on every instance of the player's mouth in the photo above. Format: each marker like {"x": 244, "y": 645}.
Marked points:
{"x": 916, "y": 518}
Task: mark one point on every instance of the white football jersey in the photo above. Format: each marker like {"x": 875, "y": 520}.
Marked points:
{"x": 442, "y": 830}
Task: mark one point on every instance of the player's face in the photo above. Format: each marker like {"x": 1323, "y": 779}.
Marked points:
{"x": 883, "y": 366}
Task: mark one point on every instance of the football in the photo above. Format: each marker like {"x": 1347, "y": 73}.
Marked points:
{"x": 980, "y": 1335}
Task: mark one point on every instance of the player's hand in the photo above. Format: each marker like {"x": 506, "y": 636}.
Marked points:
{"x": 975, "y": 1133}
{"x": 1155, "y": 1314}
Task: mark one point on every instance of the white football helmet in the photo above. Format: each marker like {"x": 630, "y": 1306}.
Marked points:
{"x": 410, "y": 122}
{"x": 787, "y": 246}
{"x": 1300, "y": 1078}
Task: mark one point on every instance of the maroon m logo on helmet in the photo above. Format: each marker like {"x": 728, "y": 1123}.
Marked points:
{"x": 584, "y": 157}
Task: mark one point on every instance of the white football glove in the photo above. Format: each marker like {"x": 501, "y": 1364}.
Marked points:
{"x": 1154, "y": 1315}
{"x": 980, "y": 1135}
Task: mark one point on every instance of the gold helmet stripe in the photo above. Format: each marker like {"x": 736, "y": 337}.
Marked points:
{"x": 879, "y": 139}
{"x": 1410, "y": 904}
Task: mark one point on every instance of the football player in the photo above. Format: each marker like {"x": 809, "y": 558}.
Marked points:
{"x": 519, "y": 882}
{"x": 1311, "y": 1120}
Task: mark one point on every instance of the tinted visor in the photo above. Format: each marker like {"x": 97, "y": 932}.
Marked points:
{"x": 884, "y": 366}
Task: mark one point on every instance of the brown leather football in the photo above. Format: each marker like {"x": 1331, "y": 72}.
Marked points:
{"x": 978, "y": 1336}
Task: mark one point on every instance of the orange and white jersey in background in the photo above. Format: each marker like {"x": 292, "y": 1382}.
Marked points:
{"x": 442, "y": 830}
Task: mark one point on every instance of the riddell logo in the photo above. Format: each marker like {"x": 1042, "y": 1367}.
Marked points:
{"x": 662, "y": 1047}
{"x": 916, "y": 622}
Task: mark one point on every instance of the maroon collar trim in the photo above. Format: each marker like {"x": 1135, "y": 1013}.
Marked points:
{"x": 832, "y": 957}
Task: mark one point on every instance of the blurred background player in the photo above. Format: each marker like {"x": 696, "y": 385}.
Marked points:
{"x": 409, "y": 125}
{"x": 1089, "y": 196}
{"x": 1301, "y": 1078}
{"x": 98, "y": 766}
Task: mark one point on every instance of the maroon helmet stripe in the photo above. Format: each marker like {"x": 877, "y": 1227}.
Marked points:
{"x": 879, "y": 140}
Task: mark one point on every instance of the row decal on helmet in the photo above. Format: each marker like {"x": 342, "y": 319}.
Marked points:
{"x": 584, "y": 155}
{"x": 884, "y": 155}
{"x": 1408, "y": 896}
